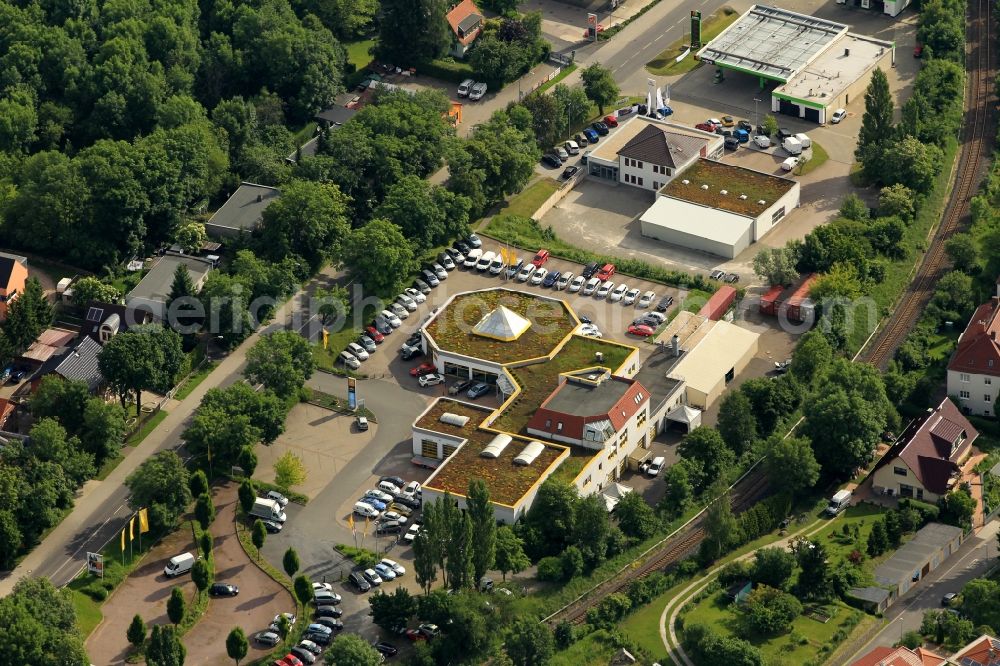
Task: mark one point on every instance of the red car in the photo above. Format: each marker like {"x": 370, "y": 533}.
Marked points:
{"x": 424, "y": 368}
{"x": 706, "y": 127}
{"x": 540, "y": 258}
{"x": 918, "y": 51}
{"x": 641, "y": 330}
{"x": 415, "y": 635}
{"x": 607, "y": 270}
{"x": 610, "y": 121}
{"x": 373, "y": 333}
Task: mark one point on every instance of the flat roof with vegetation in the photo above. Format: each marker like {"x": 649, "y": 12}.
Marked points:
{"x": 451, "y": 329}
{"x": 732, "y": 180}
{"x": 506, "y": 481}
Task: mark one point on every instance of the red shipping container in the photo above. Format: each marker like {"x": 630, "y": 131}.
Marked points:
{"x": 717, "y": 305}
{"x": 768, "y": 300}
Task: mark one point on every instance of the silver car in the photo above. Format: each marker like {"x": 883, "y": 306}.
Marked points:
{"x": 350, "y": 360}
{"x": 440, "y": 271}
{"x": 358, "y": 351}
{"x": 477, "y": 92}
{"x": 399, "y": 310}
{"x": 407, "y": 302}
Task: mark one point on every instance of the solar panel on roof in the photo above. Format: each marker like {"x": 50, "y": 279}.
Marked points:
{"x": 94, "y": 314}
{"x": 969, "y": 662}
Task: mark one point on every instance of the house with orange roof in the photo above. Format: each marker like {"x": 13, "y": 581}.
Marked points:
{"x": 466, "y": 21}
{"x": 974, "y": 368}
{"x": 901, "y": 656}
{"x": 984, "y": 651}
{"x": 13, "y": 274}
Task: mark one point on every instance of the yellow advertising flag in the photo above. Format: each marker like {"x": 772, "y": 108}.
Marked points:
{"x": 123, "y": 539}
{"x": 131, "y": 528}
{"x": 143, "y": 521}
{"x": 350, "y": 521}
{"x": 326, "y": 337}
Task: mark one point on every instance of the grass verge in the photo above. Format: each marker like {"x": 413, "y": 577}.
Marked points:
{"x": 147, "y": 427}
{"x": 530, "y": 198}
{"x": 109, "y": 466}
{"x": 819, "y": 157}
{"x": 898, "y": 272}
{"x": 566, "y": 71}
{"x": 191, "y": 382}
{"x": 336, "y": 404}
{"x": 360, "y": 556}
{"x": 665, "y": 64}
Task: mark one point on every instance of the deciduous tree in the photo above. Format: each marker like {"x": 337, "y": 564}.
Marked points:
{"x": 791, "y": 464}
{"x": 392, "y": 611}
{"x": 773, "y": 566}
{"x": 352, "y": 650}
{"x": 204, "y": 510}
{"x": 290, "y": 562}
{"x": 165, "y": 647}
{"x": 160, "y": 481}
{"x": 176, "y": 605}
{"x": 281, "y": 361}
{"x": 308, "y": 220}
{"x": 776, "y": 265}
{"x": 258, "y": 536}
{"x": 510, "y": 555}
{"x": 636, "y": 517}
{"x": 289, "y": 470}
{"x": 737, "y": 424}
{"x": 237, "y": 645}
{"x": 599, "y": 84}
{"x": 136, "y": 633}
{"x": 529, "y": 643}
{"x": 201, "y": 574}
{"x": 379, "y": 255}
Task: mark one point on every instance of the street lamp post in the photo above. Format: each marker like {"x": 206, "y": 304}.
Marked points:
{"x": 756, "y": 116}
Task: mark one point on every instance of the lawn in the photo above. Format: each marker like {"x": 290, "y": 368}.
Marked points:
{"x": 819, "y": 157}
{"x": 531, "y": 198}
{"x": 108, "y": 466}
{"x": 594, "y": 649}
{"x": 665, "y": 64}
{"x": 452, "y": 328}
{"x": 192, "y": 381}
{"x": 88, "y": 613}
{"x": 566, "y": 71}
{"x": 147, "y": 427}
{"x": 358, "y": 53}
{"x": 807, "y": 638}
{"x": 537, "y": 381}
{"x": 898, "y": 272}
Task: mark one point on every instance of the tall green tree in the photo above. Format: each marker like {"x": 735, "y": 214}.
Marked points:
{"x": 352, "y": 650}
{"x": 737, "y": 424}
{"x": 237, "y": 645}
{"x": 510, "y": 557}
{"x": 844, "y": 429}
{"x": 811, "y": 357}
{"x": 290, "y": 562}
{"x": 791, "y": 464}
{"x": 308, "y": 220}
{"x": 136, "y": 633}
{"x": 459, "y": 566}
{"x": 61, "y": 399}
{"x": 259, "y": 535}
{"x": 484, "y": 529}
{"x": 160, "y": 484}
{"x": 28, "y": 315}
{"x": 814, "y": 575}
{"x": 776, "y": 265}
{"x": 636, "y": 517}
{"x": 204, "y": 510}
{"x": 379, "y": 255}
{"x": 529, "y": 643}
{"x": 679, "y": 490}
{"x": 599, "y": 84}
{"x": 705, "y": 446}
{"x": 773, "y": 566}
{"x": 428, "y": 215}
{"x": 165, "y": 647}
{"x": 721, "y": 530}
{"x": 176, "y": 605}
{"x": 50, "y": 443}
{"x": 876, "y": 123}
{"x": 281, "y": 361}
{"x": 392, "y": 611}
{"x": 144, "y": 358}
{"x": 413, "y": 31}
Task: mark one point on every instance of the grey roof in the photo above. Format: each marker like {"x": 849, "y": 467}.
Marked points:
{"x": 336, "y": 115}
{"x": 875, "y": 595}
{"x": 653, "y": 375}
{"x": 913, "y": 555}
{"x": 243, "y": 211}
{"x": 469, "y": 23}
{"x": 156, "y": 284}
{"x": 660, "y": 146}
{"x": 584, "y": 399}
{"x": 79, "y": 363}
{"x": 772, "y": 42}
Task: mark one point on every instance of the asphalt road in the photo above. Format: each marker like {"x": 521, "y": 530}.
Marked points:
{"x": 977, "y": 555}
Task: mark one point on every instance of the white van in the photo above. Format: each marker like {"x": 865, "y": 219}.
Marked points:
{"x": 804, "y": 140}
{"x": 656, "y": 466}
{"x": 792, "y": 146}
{"x": 485, "y": 261}
{"x": 179, "y": 564}
{"x": 840, "y": 501}
{"x": 790, "y": 163}
{"x": 365, "y": 509}
{"x": 472, "y": 258}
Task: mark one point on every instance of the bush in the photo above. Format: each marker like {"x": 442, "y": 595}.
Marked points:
{"x": 448, "y": 70}
{"x": 550, "y": 569}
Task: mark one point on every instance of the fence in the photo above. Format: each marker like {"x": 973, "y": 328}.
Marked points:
{"x": 565, "y": 188}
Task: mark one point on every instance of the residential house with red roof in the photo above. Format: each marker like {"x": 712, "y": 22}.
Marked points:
{"x": 466, "y": 21}
{"x": 984, "y": 651}
{"x": 974, "y": 368}
{"x": 925, "y": 461}
{"x": 13, "y": 274}
{"x": 900, "y": 656}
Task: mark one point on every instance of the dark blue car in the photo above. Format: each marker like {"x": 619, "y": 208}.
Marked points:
{"x": 550, "y": 279}
{"x": 591, "y": 135}
{"x": 477, "y": 390}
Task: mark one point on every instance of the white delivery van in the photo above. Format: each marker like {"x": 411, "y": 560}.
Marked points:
{"x": 790, "y": 163}
{"x": 472, "y": 258}
{"x": 804, "y": 140}
{"x": 179, "y": 564}
{"x": 792, "y": 145}
{"x": 485, "y": 261}
{"x": 656, "y": 465}
{"x": 267, "y": 509}
{"x": 365, "y": 509}
{"x": 840, "y": 501}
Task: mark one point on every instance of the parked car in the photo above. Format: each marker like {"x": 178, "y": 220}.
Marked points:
{"x": 790, "y": 163}
{"x": 422, "y": 286}
{"x": 329, "y": 623}
{"x": 581, "y": 140}
{"x": 476, "y": 390}
{"x": 745, "y": 125}
{"x": 540, "y": 258}
{"x": 367, "y": 343}
{"x": 277, "y": 497}
{"x": 424, "y": 368}
{"x": 589, "y": 270}
{"x": 641, "y": 330}
{"x": 288, "y": 616}
{"x": 429, "y": 630}
{"x": 731, "y": 278}
{"x": 397, "y": 481}
{"x": 374, "y": 334}
{"x": 838, "y": 115}
{"x": 415, "y": 339}
{"x": 610, "y": 121}
{"x": 349, "y": 360}
{"x": 325, "y": 596}
{"x": 311, "y": 647}
{"x": 591, "y": 286}
{"x": 267, "y": 638}
{"x": 414, "y": 635}
{"x": 664, "y": 303}
{"x": 394, "y": 320}
{"x": 646, "y": 320}
{"x": 727, "y": 121}
{"x": 705, "y": 127}
{"x": 432, "y": 379}
{"x": 223, "y": 590}
{"x": 304, "y": 655}
{"x": 394, "y": 515}
{"x": 731, "y": 143}
{"x": 605, "y": 273}
{"x": 630, "y": 297}
{"x": 409, "y": 352}
{"x": 397, "y": 568}
{"x": 550, "y": 279}
{"x": 539, "y": 275}
{"x": 561, "y": 152}
{"x": 551, "y": 160}
{"x": 462, "y": 246}
{"x": 385, "y": 572}
{"x": 618, "y": 293}
{"x": 604, "y": 289}
{"x": 381, "y": 325}
{"x": 478, "y": 91}
{"x": 717, "y": 274}
{"x": 372, "y": 501}
{"x": 430, "y": 277}
{"x": 464, "y": 87}
{"x": 358, "y": 351}
{"x": 372, "y": 577}
{"x": 459, "y": 386}
{"x": 445, "y": 260}
{"x": 378, "y": 494}
{"x": 656, "y": 466}
{"x": 526, "y": 272}
{"x": 572, "y": 147}
{"x": 591, "y": 134}
{"x": 563, "y": 281}
{"x": 576, "y": 284}
{"x": 646, "y": 299}
{"x": 385, "y": 649}
{"x": 784, "y": 133}
{"x": 761, "y": 141}
{"x": 569, "y": 172}
{"x": 411, "y": 533}
{"x": 513, "y": 269}
{"x": 359, "y": 582}
{"x": 590, "y": 331}
{"x": 328, "y": 611}
{"x": 455, "y": 255}
{"x": 318, "y": 637}
{"x": 601, "y": 128}
{"x": 272, "y": 526}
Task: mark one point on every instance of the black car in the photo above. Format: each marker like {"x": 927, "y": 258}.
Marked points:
{"x": 601, "y": 128}
{"x": 317, "y": 637}
{"x": 304, "y": 655}
{"x": 406, "y": 500}
{"x": 552, "y": 160}
{"x": 550, "y": 278}
{"x": 389, "y": 527}
{"x": 415, "y": 339}
{"x": 459, "y": 386}
{"x": 745, "y": 125}
{"x": 394, "y": 480}
{"x": 329, "y": 622}
{"x": 328, "y": 611}
{"x": 569, "y": 172}
{"x": 272, "y": 526}
{"x": 463, "y": 247}
{"x": 382, "y": 326}
{"x": 784, "y": 133}
{"x": 359, "y": 582}
{"x": 731, "y": 278}
{"x": 387, "y": 649}
{"x": 652, "y": 322}
{"x": 223, "y": 590}
{"x": 664, "y": 303}
{"x": 590, "y": 269}
{"x": 731, "y": 143}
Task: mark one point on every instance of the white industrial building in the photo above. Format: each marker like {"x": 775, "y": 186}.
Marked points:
{"x": 648, "y": 153}
{"x": 817, "y": 64}
{"x": 719, "y": 208}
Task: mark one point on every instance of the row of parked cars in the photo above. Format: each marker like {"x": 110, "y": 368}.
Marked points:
{"x": 589, "y": 135}
{"x": 471, "y": 89}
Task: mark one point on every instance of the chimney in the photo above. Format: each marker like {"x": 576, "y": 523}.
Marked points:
{"x": 675, "y": 345}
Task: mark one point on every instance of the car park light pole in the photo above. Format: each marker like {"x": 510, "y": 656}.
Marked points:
{"x": 756, "y": 116}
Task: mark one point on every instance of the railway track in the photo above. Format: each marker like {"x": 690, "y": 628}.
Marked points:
{"x": 972, "y": 163}
{"x": 745, "y": 494}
